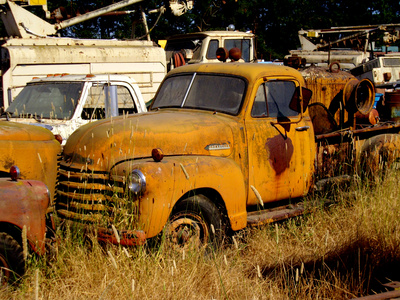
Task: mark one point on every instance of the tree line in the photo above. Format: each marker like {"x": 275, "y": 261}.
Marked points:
{"x": 275, "y": 22}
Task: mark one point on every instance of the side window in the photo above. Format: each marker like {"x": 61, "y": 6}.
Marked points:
{"x": 212, "y": 49}
{"x": 94, "y": 107}
{"x": 126, "y": 103}
{"x": 273, "y": 99}
{"x": 260, "y": 103}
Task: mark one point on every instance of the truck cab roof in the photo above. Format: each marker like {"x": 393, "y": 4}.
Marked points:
{"x": 250, "y": 71}
{"x": 81, "y": 78}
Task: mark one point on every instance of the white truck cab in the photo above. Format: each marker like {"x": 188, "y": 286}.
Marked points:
{"x": 63, "y": 102}
{"x": 201, "y": 47}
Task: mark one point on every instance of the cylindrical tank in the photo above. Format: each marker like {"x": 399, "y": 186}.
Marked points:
{"x": 340, "y": 92}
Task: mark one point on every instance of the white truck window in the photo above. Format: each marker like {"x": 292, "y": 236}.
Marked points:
{"x": 47, "y": 100}
{"x": 94, "y": 107}
{"x": 242, "y": 44}
{"x": 212, "y": 49}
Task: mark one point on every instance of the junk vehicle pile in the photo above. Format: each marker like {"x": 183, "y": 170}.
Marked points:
{"x": 223, "y": 147}
{"x": 351, "y": 46}
{"x": 32, "y": 50}
{"x": 28, "y": 169}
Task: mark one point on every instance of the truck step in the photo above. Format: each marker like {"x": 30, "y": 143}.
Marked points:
{"x": 338, "y": 181}
{"x": 261, "y": 217}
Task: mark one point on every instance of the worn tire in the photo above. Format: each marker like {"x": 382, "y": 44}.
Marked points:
{"x": 379, "y": 153}
{"x": 195, "y": 222}
{"x": 12, "y": 262}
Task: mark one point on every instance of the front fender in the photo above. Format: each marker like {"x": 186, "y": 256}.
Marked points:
{"x": 25, "y": 202}
{"x": 169, "y": 180}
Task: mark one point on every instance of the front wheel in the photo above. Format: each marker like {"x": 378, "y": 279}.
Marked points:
{"x": 12, "y": 262}
{"x": 195, "y": 222}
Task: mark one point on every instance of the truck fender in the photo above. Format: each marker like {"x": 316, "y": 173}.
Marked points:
{"x": 379, "y": 153}
{"x": 24, "y": 203}
{"x": 175, "y": 178}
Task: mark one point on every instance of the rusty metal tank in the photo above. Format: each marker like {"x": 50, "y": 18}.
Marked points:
{"x": 339, "y": 96}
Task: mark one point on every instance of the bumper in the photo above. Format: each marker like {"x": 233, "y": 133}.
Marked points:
{"x": 121, "y": 237}
{"x": 107, "y": 235}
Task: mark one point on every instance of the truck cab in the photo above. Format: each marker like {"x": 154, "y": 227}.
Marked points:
{"x": 62, "y": 103}
{"x": 200, "y": 47}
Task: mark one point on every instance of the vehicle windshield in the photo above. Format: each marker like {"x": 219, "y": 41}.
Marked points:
{"x": 47, "y": 100}
{"x": 213, "y": 92}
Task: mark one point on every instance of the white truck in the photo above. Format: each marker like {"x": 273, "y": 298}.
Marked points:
{"x": 62, "y": 102}
{"x": 25, "y": 58}
{"x": 201, "y": 47}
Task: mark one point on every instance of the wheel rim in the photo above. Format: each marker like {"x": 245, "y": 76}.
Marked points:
{"x": 188, "y": 231}
{"x": 4, "y": 270}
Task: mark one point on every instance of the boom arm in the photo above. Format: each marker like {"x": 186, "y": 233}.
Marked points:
{"x": 21, "y": 23}
{"x": 95, "y": 13}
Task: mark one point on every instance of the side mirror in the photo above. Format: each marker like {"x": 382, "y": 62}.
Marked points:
{"x": 297, "y": 102}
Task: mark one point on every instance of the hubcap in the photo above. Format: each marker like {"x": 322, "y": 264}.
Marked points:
{"x": 188, "y": 231}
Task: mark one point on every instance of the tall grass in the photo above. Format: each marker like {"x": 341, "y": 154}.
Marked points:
{"x": 336, "y": 252}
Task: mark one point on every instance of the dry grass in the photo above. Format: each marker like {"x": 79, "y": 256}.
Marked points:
{"x": 337, "y": 252}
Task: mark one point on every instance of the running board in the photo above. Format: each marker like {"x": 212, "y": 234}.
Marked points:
{"x": 261, "y": 217}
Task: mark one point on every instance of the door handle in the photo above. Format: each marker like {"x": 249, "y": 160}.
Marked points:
{"x": 302, "y": 128}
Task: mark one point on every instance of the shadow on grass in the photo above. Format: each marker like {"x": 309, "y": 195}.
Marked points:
{"x": 362, "y": 266}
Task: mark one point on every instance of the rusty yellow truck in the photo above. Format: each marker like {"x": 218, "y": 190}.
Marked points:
{"x": 223, "y": 147}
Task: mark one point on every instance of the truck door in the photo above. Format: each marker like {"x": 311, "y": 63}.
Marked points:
{"x": 280, "y": 144}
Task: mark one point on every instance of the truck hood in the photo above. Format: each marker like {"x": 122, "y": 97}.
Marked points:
{"x": 10, "y": 131}
{"x": 99, "y": 145}
{"x": 62, "y": 127}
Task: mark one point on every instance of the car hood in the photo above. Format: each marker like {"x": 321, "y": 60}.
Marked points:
{"x": 100, "y": 145}
{"x": 10, "y": 131}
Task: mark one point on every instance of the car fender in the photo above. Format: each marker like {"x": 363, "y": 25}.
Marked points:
{"x": 24, "y": 203}
{"x": 175, "y": 177}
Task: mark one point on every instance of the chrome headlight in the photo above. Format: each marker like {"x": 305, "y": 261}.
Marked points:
{"x": 136, "y": 182}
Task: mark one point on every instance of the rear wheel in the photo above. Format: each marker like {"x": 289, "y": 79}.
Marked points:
{"x": 12, "y": 262}
{"x": 195, "y": 222}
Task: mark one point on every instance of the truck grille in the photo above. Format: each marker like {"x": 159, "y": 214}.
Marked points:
{"x": 91, "y": 197}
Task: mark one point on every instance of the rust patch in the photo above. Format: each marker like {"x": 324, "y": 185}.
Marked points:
{"x": 280, "y": 152}
{"x": 8, "y": 163}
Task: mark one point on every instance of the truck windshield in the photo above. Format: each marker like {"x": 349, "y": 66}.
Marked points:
{"x": 202, "y": 91}
{"x": 46, "y": 100}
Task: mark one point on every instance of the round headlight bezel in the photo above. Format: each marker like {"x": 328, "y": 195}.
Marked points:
{"x": 136, "y": 183}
